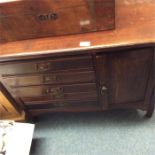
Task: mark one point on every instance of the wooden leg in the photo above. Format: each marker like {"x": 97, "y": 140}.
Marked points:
{"x": 151, "y": 106}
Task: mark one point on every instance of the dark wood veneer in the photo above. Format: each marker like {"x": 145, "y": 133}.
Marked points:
{"x": 116, "y": 79}
{"x": 82, "y": 76}
{"x": 26, "y": 19}
{"x": 117, "y": 70}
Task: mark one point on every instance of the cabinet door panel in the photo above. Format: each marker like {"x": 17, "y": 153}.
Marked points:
{"x": 128, "y": 76}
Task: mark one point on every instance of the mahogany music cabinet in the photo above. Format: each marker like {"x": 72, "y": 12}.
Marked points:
{"x": 86, "y": 72}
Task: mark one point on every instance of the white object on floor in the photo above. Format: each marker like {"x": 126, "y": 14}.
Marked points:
{"x": 19, "y": 139}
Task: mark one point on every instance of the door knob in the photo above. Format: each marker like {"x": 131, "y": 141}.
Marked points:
{"x": 103, "y": 89}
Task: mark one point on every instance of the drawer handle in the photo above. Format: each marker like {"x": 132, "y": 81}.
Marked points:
{"x": 60, "y": 104}
{"x": 103, "y": 89}
{"x": 49, "y": 78}
{"x": 54, "y": 92}
{"x": 43, "y": 66}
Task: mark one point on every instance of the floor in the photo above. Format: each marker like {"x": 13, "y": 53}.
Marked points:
{"x": 118, "y": 132}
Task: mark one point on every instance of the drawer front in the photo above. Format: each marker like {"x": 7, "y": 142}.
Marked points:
{"x": 55, "y": 92}
{"x": 60, "y": 96}
{"x": 71, "y": 107}
{"x": 67, "y": 99}
{"x": 31, "y": 19}
{"x": 59, "y": 78}
{"x": 46, "y": 66}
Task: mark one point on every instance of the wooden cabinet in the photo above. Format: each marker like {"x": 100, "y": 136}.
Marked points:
{"x": 86, "y": 82}
{"x": 84, "y": 72}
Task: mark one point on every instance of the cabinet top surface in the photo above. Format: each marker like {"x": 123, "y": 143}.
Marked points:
{"x": 135, "y": 24}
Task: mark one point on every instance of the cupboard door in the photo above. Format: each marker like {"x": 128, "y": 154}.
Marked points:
{"x": 128, "y": 74}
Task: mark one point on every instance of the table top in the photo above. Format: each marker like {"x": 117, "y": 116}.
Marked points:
{"x": 135, "y": 24}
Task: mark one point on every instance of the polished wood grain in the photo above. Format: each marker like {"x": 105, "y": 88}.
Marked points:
{"x": 121, "y": 63}
{"x": 129, "y": 73}
{"x": 63, "y": 106}
{"x": 26, "y": 19}
{"x": 55, "y": 92}
{"x": 84, "y": 108}
{"x": 47, "y": 65}
{"x": 102, "y": 74}
{"x": 8, "y": 110}
{"x": 124, "y": 77}
{"x": 151, "y": 98}
{"x": 121, "y": 79}
{"x": 53, "y": 78}
{"x": 152, "y": 105}
{"x": 135, "y": 24}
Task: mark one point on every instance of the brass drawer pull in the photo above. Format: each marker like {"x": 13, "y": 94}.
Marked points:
{"x": 49, "y": 78}
{"x": 43, "y": 66}
{"x": 60, "y": 104}
{"x": 54, "y": 92}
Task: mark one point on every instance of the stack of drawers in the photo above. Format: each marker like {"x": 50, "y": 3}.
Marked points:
{"x": 52, "y": 84}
